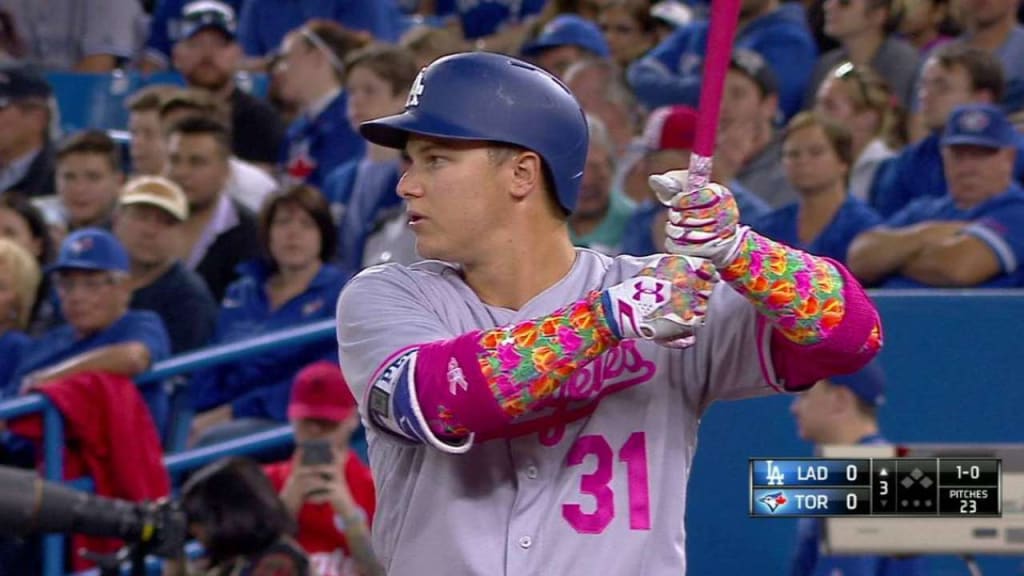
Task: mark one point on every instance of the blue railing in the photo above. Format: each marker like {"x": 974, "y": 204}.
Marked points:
{"x": 53, "y": 426}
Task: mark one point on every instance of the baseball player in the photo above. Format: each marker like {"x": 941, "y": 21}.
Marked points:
{"x": 532, "y": 408}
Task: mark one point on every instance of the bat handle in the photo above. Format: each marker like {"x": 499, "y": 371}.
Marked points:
{"x": 699, "y": 174}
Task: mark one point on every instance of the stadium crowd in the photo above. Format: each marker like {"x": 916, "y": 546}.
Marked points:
{"x": 885, "y": 134}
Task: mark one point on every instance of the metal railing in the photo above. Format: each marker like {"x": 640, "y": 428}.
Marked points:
{"x": 53, "y": 424}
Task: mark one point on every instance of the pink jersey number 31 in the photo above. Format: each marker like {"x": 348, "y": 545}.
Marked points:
{"x": 597, "y": 484}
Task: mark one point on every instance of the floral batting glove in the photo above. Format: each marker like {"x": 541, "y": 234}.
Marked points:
{"x": 704, "y": 223}
{"x": 664, "y": 303}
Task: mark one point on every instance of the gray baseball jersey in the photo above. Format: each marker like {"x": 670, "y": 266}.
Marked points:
{"x": 602, "y": 494}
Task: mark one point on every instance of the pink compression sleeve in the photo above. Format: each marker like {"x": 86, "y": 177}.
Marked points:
{"x": 480, "y": 381}
{"x": 823, "y": 322}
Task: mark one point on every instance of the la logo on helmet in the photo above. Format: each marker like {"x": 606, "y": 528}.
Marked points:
{"x": 416, "y": 91}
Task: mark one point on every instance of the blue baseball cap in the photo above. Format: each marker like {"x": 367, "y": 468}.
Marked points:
{"x": 979, "y": 125}
{"x": 868, "y": 383}
{"x": 569, "y": 30}
{"x": 91, "y": 249}
{"x": 20, "y": 82}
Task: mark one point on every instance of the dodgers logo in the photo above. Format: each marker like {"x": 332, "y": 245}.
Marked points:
{"x": 416, "y": 91}
{"x": 773, "y": 501}
{"x": 775, "y": 475}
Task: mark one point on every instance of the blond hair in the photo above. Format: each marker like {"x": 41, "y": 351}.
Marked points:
{"x": 26, "y": 276}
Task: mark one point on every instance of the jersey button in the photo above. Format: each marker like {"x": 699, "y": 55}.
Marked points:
{"x": 525, "y": 542}
{"x": 531, "y": 472}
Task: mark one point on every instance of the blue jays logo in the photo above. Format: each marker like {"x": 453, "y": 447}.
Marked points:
{"x": 690, "y": 63}
{"x": 301, "y": 163}
{"x": 80, "y": 245}
{"x": 975, "y": 121}
{"x": 773, "y": 501}
{"x": 312, "y": 307}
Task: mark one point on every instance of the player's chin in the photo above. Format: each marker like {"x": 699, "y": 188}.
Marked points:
{"x": 430, "y": 250}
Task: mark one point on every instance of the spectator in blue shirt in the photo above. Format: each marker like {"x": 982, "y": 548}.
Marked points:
{"x": 952, "y": 76}
{"x": 101, "y": 334}
{"x": 843, "y": 410}
{"x": 263, "y": 24}
{"x": 564, "y": 41}
{"x": 290, "y": 286}
{"x": 19, "y": 280}
{"x": 974, "y": 235}
{"x": 310, "y": 74}
{"x": 671, "y": 72}
{"x": 817, "y": 155}
{"x": 363, "y": 190}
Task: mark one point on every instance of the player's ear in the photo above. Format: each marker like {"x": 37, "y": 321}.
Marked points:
{"x": 527, "y": 174}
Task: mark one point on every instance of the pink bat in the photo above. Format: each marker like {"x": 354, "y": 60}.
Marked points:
{"x": 722, "y": 30}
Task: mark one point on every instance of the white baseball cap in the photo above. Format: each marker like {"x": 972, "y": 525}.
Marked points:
{"x": 156, "y": 191}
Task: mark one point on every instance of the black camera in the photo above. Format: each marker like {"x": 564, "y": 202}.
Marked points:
{"x": 30, "y": 505}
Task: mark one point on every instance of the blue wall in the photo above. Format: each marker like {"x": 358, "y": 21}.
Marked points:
{"x": 950, "y": 362}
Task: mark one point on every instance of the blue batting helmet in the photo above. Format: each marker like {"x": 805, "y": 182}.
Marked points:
{"x": 485, "y": 96}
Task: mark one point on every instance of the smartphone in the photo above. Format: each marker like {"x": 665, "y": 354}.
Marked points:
{"x": 316, "y": 453}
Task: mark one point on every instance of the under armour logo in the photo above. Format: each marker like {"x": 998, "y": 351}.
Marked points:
{"x": 648, "y": 294}
{"x": 416, "y": 91}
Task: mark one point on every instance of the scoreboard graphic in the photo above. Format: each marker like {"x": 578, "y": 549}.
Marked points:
{"x": 908, "y": 487}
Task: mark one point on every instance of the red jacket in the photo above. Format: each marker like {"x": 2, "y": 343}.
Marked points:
{"x": 318, "y": 535}
{"x": 110, "y": 436}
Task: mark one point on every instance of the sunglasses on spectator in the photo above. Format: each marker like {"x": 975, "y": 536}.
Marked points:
{"x": 67, "y": 285}
{"x": 209, "y": 16}
{"x": 848, "y": 70}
